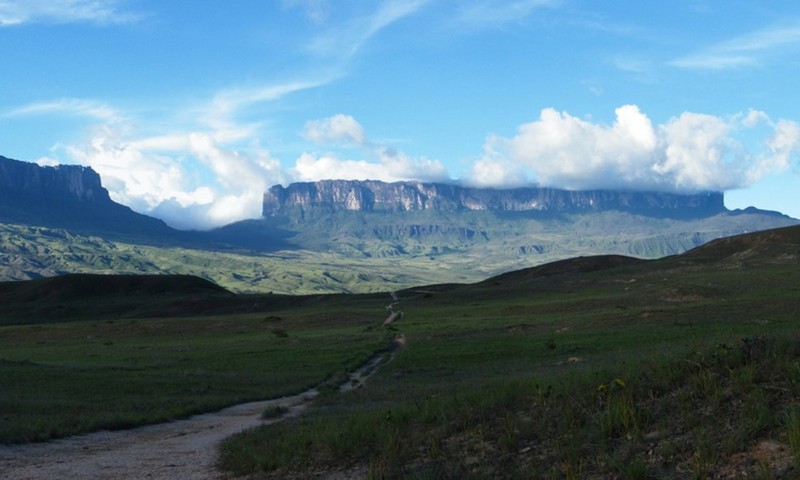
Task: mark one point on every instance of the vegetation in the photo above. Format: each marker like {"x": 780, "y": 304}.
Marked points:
{"x": 360, "y": 252}
{"x": 63, "y": 378}
{"x": 685, "y": 367}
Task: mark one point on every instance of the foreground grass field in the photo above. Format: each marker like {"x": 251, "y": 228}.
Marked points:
{"x": 63, "y": 378}
{"x": 685, "y": 367}
{"x": 688, "y": 367}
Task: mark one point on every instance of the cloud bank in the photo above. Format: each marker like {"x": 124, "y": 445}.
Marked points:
{"x": 215, "y": 171}
{"x": 689, "y": 153}
{"x": 188, "y": 179}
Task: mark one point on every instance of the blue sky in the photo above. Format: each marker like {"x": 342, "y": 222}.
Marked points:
{"x": 191, "y": 110}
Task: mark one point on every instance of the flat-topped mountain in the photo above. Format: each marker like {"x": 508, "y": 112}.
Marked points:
{"x": 341, "y": 235}
{"x": 376, "y": 196}
{"x": 66, "y": 196}
{"x": 491, "y": 230}
{"x": 47, "y": 185}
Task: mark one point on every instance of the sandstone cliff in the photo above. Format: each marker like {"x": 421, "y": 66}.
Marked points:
{"x": 66, "y": 196}
{"x": 44, "y": 185}
{"x": 373, "y": 196}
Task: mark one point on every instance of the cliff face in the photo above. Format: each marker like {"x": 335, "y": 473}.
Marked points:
{"x": 66, "y": 196}
{"x": 46, "y": 185}
{"x": 374, "y": 196}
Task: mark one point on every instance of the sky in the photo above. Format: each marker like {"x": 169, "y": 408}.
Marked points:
{"x": 191, "y": 110}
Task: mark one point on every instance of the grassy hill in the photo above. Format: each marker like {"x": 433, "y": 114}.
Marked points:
{"x": 591, "y": 367}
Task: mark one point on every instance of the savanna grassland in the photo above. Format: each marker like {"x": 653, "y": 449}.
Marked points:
{"x": 595, "y": 367}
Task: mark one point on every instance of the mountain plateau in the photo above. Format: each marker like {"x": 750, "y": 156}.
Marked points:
{"x": 353, "y": 236}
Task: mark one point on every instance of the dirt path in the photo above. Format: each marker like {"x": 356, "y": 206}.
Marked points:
{"x": 184, "y": 449}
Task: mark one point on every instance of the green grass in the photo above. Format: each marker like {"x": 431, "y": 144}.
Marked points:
{"x": 680, "y": 367}
{"x": 62, "y": 379}
{"x": 364, "y": 252}
{"x": 652, "y": 370}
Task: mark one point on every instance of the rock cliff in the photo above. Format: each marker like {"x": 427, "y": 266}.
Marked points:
{"x": 45, "y": 185}
{"x": 375, "y": 196}
{"x": 66, "y": 196}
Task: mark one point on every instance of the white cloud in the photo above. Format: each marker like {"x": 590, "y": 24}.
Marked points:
{"x": 346, "y": 40}
{"x": 493, "y": 13}
{"x": 189, "y": 179}
{"x": 231, "y": 100}
{"x": 317, "y": 10}
{"x": 69, "y": 106}
{"x": 746, "y": 50}
{"x": 17, "y": 12}
{"x": 204, "y": 168}
{"x": 782, "y": 150}
{"x": 387, "y": 164}
{"x": 689, "y": 153}
{"x": 336, "y": 129}
{"x": 391, "y": 167}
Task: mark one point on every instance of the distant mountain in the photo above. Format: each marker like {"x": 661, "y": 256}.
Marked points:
{"x": 348, "y": 236}
{"x": 67, "y": 196}
{"x": 374, "y": 196}
{"x": 499, "y": 227}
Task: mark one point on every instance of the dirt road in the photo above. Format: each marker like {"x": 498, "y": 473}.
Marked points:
{"x": 184, "y": 449}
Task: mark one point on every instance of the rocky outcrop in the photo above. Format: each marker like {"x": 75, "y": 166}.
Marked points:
{"x": 371, "y": 196}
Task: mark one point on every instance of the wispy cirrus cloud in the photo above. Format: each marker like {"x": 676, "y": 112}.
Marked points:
{"x": 18, "y": 12}
{"x": 746, "y": 50}
{"x": 69, "y": 106}
{"x": 317, "y": 10}
{"x": 232, "y": 99}
{"x": 492, "y": 13}
{"x": 347, "y": 39}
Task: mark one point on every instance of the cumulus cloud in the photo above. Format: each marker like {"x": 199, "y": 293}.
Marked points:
{"x": 385, "y": 162}
{"x": 689, "y": 153}
{"x": 16, "y": 12}
{"x": 392, "y": 167}
{"x": 188, "y": 179}
{"x": 336, "y": 129}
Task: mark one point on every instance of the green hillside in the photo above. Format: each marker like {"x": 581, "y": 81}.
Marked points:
{"x": 361, "y": 252}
